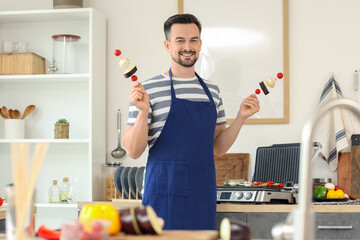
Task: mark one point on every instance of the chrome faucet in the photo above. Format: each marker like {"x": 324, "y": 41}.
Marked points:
{"x": 299, "y": 225}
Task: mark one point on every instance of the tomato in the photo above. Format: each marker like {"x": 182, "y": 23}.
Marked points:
{"x": 117, "y": 52}
{"x": 1, "y": 201}
{"x": 103, "y": 211}
{"x": 337, "y": 188}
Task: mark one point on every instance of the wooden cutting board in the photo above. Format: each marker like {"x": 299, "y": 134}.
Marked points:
{"x": 231, "y": 166}
{"x": 172, "y": 235}
{"x": 168, "y": 235}
{"x": 349, "y": 169}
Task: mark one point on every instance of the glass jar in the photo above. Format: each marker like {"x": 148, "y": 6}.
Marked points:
{"x": 320, "y": 182}
{"x": 54, "y": 193}
{"x": 65, "y": 191}
{"x": 110, "y": 189}
{"x": 65, "y": 56}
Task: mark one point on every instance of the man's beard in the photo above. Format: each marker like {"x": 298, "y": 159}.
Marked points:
{"x": 187, "y": 63}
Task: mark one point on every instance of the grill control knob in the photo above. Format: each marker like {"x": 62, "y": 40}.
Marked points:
{"x": 238, "y": 195}
{"x": 248, "y": 195}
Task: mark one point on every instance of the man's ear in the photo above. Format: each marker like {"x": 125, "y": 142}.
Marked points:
{"x": 167, "y": 45}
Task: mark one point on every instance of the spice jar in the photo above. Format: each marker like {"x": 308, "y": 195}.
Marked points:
{"x": 65, "y": 56}
{"x": 110, "y": 189}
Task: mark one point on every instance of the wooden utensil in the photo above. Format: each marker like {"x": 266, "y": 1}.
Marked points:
{"x": 5, "y": 111}
{"x": 11, "y": 113}
{"x": 28, "y": 110}
{"x": 2, "y": 115}
{"x": 16, "y": 114}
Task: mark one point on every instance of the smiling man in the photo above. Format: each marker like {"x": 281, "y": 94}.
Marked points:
{"x": 181, "y": 117}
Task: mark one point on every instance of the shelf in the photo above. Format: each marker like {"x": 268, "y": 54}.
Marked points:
{"x": 56, "y": 205}
{"x": 45, "y": 140}
{"x": 45, "y": 78}
{"x": 51, "y": 15}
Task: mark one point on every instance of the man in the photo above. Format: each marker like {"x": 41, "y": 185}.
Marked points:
{"x": 182, "y": 119}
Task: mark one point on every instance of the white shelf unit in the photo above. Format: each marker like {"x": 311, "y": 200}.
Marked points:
{"x": 79, "y": 97}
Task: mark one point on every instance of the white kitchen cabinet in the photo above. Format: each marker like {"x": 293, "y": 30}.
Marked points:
{"x": 78, "y": 97}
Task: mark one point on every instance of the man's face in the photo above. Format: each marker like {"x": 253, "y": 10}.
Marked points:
{"x": 184, "y": 44}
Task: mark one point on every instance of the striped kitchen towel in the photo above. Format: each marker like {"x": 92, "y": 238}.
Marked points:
{"x": 335, "y": 128}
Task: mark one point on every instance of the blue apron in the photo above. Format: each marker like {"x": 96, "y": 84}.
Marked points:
{"x": 180, "y": 181}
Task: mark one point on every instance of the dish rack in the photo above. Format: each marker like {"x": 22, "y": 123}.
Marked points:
{"x": 129, "y": 183}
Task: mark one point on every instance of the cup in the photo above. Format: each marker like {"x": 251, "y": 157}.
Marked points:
{"x": 29, "y": 231}
{"x": 14, "y": 128}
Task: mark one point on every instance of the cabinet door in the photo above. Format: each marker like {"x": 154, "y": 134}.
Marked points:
{"x": 231, "y": 215}
{"x": 262, "y": 223}
{"x": 337, "y": 226}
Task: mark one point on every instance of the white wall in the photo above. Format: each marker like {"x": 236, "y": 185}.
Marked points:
{"x": 324, "y": 38}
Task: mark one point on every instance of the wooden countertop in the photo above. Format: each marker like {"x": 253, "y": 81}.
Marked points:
{"x": 2, "y": 212}
{"x": 170, "y": 235}
{"x": 236, "y": 207}
{"x": 229, "y": 207}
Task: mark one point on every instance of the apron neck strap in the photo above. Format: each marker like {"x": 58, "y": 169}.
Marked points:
{"x": 206, "y": 89}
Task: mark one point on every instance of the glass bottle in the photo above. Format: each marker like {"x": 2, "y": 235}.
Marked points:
{"x": 54, "y": 193}
{"x": 65, "y": 190}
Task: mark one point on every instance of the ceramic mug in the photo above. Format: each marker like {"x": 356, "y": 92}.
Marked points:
{"x": 14, "y": 128}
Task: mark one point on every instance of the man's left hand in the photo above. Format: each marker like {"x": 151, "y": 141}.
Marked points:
{"x": 249, "y": 106}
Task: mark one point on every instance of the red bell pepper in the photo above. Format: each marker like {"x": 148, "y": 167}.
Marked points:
{"x": 1, "y": 201}
{"x": 48, "y": 233}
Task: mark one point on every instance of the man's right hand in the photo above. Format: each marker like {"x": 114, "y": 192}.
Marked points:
{"x": 139, "y": 98}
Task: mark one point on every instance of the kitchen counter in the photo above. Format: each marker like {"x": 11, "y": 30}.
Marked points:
{"x": 170, "y": 235}
{"x": 236, "y": 207}
{"x": 2, "y": 212}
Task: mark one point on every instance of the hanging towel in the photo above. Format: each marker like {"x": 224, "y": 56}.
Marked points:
{"x": 335, "y": 128}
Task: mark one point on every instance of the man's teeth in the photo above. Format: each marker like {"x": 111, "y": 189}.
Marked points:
{"x": 187, "y": 54}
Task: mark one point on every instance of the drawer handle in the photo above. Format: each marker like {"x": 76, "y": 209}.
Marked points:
{"x": 335, "y": 227}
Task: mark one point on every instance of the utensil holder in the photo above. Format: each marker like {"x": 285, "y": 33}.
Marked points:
{"x": 14, "y": 129}
{"x": 61, "y": 131}
{"x": 11, "y": 224}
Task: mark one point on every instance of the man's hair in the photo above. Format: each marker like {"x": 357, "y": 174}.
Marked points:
{"x": 181, "y": 19}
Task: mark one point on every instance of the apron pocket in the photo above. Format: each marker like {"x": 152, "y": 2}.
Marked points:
{"x": 172, "y": 178}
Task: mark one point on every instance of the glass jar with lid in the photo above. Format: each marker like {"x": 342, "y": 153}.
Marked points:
{"x": 110, "y": 189}
{"x": 65, "y": 53}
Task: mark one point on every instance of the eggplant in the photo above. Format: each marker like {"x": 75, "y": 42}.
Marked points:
{"x": 234, "y": 230}
{"x": 148, "y": 221}
{"x": 129, "y": 224}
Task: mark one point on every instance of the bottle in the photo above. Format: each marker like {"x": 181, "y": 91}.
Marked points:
{"x": 65, "y": 191}
{"x": 54, "y": 193}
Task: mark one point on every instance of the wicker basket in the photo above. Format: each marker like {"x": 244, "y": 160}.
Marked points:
{"x": 61, "y": 131}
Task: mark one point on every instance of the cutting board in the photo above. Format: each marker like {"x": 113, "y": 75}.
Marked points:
{"x": 349, "y": 168}
{"x": 231, "y": 166}
{"x": 168, "y": 235}
{"x": 172, "y": 235}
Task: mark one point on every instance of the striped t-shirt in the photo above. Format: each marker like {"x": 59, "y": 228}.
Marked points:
{"x": 158, "y": 89}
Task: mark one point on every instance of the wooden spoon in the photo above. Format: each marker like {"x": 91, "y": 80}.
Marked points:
{"x": 5, "y": 111}
{"x": 11, "y": 113}
{"x": 2, "y": 115}
{"x": 16, "y": 114}
{"x": 28, "y": 110}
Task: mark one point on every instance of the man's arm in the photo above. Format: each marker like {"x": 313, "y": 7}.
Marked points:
{"x": 225, "y": 137}
{"x": 135, "y": 137}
